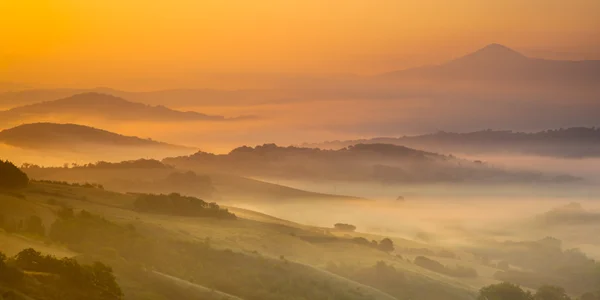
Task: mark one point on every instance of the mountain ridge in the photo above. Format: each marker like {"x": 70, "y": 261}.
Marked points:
{"x": 377, "y": 162}
{"x": 572, "y": 142}
{"x": 496, "y": 62}
{"x": 105, "y": 106}
{"x": 65, "y": 136}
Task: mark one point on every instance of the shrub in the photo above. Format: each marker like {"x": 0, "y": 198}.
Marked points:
{"x": 503, "y": 291}
{"x": 386, "y": 245}
{"x": 344, "y": 227}
{"x": 436, "y": 266}
{"x": 176, "y": 204}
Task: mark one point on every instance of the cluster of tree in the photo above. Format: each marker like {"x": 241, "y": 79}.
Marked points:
{"x": 438, "y": 267}
{"x": 33, "y": 225}
{"x": 45, "y": 277}
{"x": 394, "y": 282}
{"x": 86, "y": 185}
{"x": 12, "y": 177}
{"x": 249, "y": 277}
{"x": 176, "y": 204}
{"x": 344, "y": 227}
{"x": 509, "y": 291}
{"x": 130, "y": 164}
{"x": 545, "y": 262}
{"x": 385, "y": 244}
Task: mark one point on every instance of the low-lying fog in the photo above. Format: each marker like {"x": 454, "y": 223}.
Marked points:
{"x": 459, "y": 214}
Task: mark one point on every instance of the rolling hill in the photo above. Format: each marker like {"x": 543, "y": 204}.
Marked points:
{"x": 152, "y": 176}
{"x": 71, "y": 136}
{"x": 384, "y": 163}
{"x": 108, "y": 107}
{"x": 575, "y": 142}
{"x": 494, "y": 87}
{"x": 172, "y": 97}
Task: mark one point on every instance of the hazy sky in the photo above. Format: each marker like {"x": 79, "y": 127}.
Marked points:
{"x": 114, "y": 42}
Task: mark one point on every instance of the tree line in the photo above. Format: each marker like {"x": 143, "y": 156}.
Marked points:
{"x": 176, "y": 204}
{"x": 47, "y": 277}
{"x": 510, "y": 291}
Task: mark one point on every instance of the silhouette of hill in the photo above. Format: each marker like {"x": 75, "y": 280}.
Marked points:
{"x": 494, "y": 87}
{"x": 362, "y": 162}
{"x": 104, "y": 106}
{"x": 570, "y": 142}
{"x": 152, "y": 176}
{"x": 72, "y": 136}
{"x": 171, "y": 97}
{"x": 496, "y": 62}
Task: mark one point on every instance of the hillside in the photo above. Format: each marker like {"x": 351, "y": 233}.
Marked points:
{"x": 361, "y": 162}
{"x": 88, "y": 105}
{"x": 574, "y": 142}
{"x": 71, "y": 136}
{"x": 205, "y": 258}
{"x": 150, "y": 176}
{"x": 173, "y": 97}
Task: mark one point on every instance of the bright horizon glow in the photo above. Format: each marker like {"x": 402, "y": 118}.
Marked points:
{"x": 122, "y": 43}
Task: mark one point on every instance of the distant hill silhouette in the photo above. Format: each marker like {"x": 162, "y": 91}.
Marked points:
{"x": 362, "y": 162}
{"x": 494, "y": 87}
{"x": 104, "y": 106}
{"x": 569, "y": 142}
{"x": 496, "y": 62}
{"x": 172, "y": 97}
{"x": 152, "y": 176}
{"x": 71, "y": 136}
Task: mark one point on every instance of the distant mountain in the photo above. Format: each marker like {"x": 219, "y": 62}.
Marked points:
{"x": 494, "y": 87}
{"x": 362, "y": 162}
{"x": 173, "y": 97}
{"x": 103, "y": 106}
{"x": 499, "y": 63}
{"x": 51, "y": 136}
{"x": 572, "y": 142}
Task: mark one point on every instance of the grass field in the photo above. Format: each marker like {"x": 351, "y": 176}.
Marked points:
{"x": 253, "y": 233}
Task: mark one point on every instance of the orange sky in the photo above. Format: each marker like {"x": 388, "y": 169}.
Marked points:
{"x": 114, "y": 42}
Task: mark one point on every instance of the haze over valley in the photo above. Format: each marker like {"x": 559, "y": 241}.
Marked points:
{"x": 348, "y": 150}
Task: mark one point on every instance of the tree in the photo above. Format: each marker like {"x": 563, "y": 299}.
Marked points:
{"x": 386, "y": 245}
{"x": 65, "y": 213}
{"x": 11, "y": 177}
{"x": 549, "y": 292}
{"x": 503, "y": 291}
{"x": 344, "y": 227}
{"x": 106, "y": 281}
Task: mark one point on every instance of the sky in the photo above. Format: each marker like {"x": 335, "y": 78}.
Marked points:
{"x": 125, "y": 43}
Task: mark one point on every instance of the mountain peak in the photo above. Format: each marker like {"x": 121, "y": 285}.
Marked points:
{"x": 496, "y": 46}
{"x": 94, "y": 96}
{"x": 494, "y": 52}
